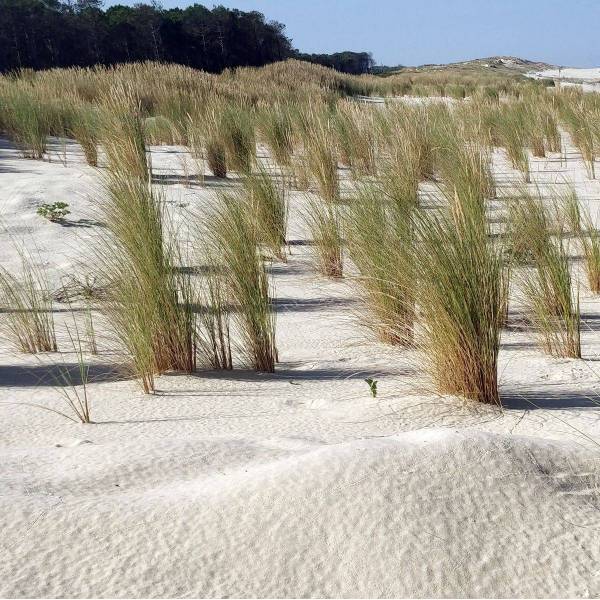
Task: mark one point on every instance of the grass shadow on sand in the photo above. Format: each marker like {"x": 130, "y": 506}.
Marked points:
{"x": 285, "y": 373}
{"x": 548, "y": 399}
{"x": 312, "y": 304}
{"x": 53, "y": 375}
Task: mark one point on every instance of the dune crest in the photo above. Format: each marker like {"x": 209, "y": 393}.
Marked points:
{"x": 422, "y": 513}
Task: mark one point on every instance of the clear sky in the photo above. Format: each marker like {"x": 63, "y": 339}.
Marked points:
{"x": 412, "y": 32}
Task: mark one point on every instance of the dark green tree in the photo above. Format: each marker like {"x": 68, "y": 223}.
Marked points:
{"x": 41, "y": 34}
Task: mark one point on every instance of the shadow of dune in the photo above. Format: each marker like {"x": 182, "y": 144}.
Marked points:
{"x": 151, "y": 420}
{"x": 285, "y": 373}
{"x": 312, "y": 304}
{"x": 300, "y": 243}
{"x": 547, "y": 399}
{"x": 524, "y": 345}
{"x": 195, "y": 180}
{"x": 174, "y": 179}
{"x": 83, "y": 223}
{"x": 590, "y": 322}
{"x": 8, "y": 169}
{"x": 56, "y": 375}
{"x": 521, "y": 322}
{"x": 337, "y": 373}
{"x": 71, "y": 309}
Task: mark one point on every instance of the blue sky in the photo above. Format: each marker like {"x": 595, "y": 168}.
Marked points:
{"x": 411, "y": 32}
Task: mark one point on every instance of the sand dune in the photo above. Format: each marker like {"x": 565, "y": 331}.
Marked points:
{"x": 586, "y": 79}
{"x": 422, "y": 513}
{"x": 571, "y": 73}
{"x": 298, "y": 483}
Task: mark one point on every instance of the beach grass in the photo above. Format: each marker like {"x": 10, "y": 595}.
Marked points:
{"x": 234, "y": 242}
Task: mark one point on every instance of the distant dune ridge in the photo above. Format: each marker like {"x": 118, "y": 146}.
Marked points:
{"x": 535, "y": 69}
{"x": 507, "y": 62}
{"x": 588, "y": 78}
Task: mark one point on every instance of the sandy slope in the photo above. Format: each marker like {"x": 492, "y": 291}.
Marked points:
{"x": 586, "y": 79}
{"x": 571, "y": 73}
{"x": 429, "y": 513}
{"x": 300, "y": 483}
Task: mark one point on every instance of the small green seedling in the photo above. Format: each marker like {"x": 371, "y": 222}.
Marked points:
{"x": 372, "y": 386}
{"x": 55, "y": 212}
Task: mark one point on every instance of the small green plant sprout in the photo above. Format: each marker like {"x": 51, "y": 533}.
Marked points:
{"x": 372, "y": 383}
{"x": 55, "y": 212}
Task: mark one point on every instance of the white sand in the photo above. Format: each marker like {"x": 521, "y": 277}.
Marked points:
{"x": 586, "y": 79}
{"x": 298, "y": 483}
{"x": 571, "y": 73}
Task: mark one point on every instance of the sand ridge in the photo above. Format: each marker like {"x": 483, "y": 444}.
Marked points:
{"x": 425, "y": 513}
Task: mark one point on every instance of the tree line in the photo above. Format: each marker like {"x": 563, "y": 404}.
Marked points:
{"x": 43, "y": 34}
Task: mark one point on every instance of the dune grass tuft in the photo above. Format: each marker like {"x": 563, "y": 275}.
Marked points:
{"x": 412, "y": 128}
{"x": 464, "y": 169}
{"x": 236, "y": 132}
{"x": 234, "y": 242}
{"x": 353, "y": 126}
{"x": 205, "y": 144}
{"x": 85, "y": 128}
{"x": 320, "y": 158}
{"x": 324, "y": 222}
{"x": 579, "y": 120}
{"x": 582, "y": 226}
{"x": 159, "y": 130}
{"x": 216, "y": 157}
{"x": 512, "y": 131}
{"x": 150, "y": 305}
{"x": 276, "y": 128}
{"x": 546, "y": 285}
{"x": 150, "y": 299}
{"x": 26, "y": 118}
{"x": 28, "y": 306}
{"x": 269, "y": 206}
{"x": 461, "y": 298}
{"x": 379, "y": 238}
{"x": 122, "y": 135}
{"x": 590, "y": 241}
{"x": 214, "y": 330}
{"x": 75, "y": 390}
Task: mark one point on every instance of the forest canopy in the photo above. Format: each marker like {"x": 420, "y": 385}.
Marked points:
{"x": 43, "y": 34}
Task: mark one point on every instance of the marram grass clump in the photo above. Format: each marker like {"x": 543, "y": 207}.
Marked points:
{"x": 150, "y": 300}
{"x": 380, "y": 244}
{"x": 268, "y": 202}
{"x": 325, "y": 225}
{"x": 235, "y": 245}
{"x": 461, "y": 295}
{"x": 546, "y": 283}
